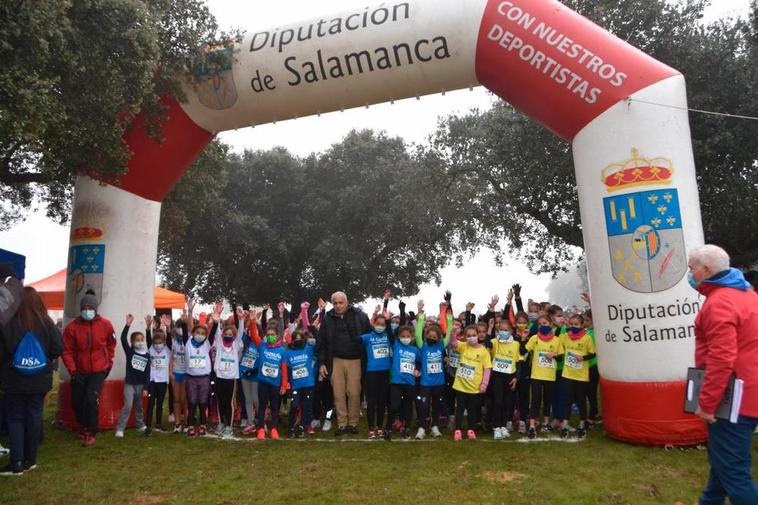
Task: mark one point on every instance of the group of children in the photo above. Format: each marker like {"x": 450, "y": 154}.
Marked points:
{"x": 524, "y": 367}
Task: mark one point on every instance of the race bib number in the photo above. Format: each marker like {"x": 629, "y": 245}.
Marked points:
{"x": 300, "y": 372}
{"x": 503, "y": 365}
{"x": 433, "y": 367}
{"x": 180, "y": 360}
{"x": 544, "y": 362}
{"x": 226, "y": 365}
{"x": 467, "y": 372}
{"x": 270, "y": 371}
{"x": 248, "y": 362}
{"x": 139, "y": 363}
{"x": 381, "y": 352}
{"x": 407, "y": 367}
{"x": 453, "y": 360}
{"x": 159, "y": 363}
{"x": 197, "y": 362}
{"x": 573, "y": 362}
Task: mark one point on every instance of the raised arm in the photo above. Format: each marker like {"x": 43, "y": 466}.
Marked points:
{"x": 420, "y": 320}
{"x": 125, "y": 333}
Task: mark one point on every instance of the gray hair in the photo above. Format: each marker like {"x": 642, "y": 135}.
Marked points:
{"x": 711, "y": 256}
{"x": 338, "y": 293}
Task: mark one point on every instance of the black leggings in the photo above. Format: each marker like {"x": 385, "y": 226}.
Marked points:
{"x": 592, "y": 391}
{"x": 401, "y": 402}
{"x": 377, "y": 392}
{"x": 433, "y": 396}
{"x": 224, "y": 395}
{"x": 576, "y": 392}
{"x": 268, "y": 396}
{"x": 542, "y": 393}
{"x": 470, "y": 402}
{"x": 155, "y": 401}
{"x": 522, "y": 393}
{"x": 502, "y": 398}
{"x": 323, "y": 400}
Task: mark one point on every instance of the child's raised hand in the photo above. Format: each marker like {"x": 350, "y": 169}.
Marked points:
{"x": 387, "y": 294}
{"x": 420, "y": 306}
{"x": 240, "y": 313}
{"x": 493, "y": 303}
{"x": 377, "y": 309}
{"x": 510, "y": 295}
{"x": 586, "y": 297}
{"x": 218, "y": 307}
{"x": 490, "y": 324}
{"x": 470, "y": 306}
{"x": 166, "y": 321}
{"x": 387, "y": 315}
{"x": 129, "y": 319}
{"x": 149, "y": 322}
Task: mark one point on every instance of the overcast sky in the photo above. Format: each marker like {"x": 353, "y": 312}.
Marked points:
{"x": 45, "y": 243}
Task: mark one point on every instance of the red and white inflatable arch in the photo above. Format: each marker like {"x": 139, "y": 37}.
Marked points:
{"x": 634, "y": 167}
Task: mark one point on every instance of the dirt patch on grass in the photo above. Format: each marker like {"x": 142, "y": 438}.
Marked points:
{"x": 502, "y": 477}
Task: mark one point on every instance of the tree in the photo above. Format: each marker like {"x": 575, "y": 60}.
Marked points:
{"x": 364, "y": 215}
{"x": 73, "y": 73}
{"x": 523, "y": 176}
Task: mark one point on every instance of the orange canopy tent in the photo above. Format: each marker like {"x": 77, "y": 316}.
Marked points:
{"x": 51, "y": 290}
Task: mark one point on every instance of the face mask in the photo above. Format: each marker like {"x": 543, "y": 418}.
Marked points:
{"x": 271, "y": 339}
{"x": 575, "y": 329}
{"x": 503, "y": 336}
{"x": 533, "y": 316}
{"x": 472, "y": 340}
{"x": 522, "y": 326}
{"x": 88, "y": 315}
{"x": 691, "y": 279}
{"x": 544, "y": 329}
{"x": 311, "y": 341}
{"x": 297, "y": 344}
{"x": 405, "y": 340}
{"x": 379, "y": 329}
{"x": 431, "y": 341}
{"x": 559, "y": 320}
{"x": 394, "y": 326}
{"x": 159, "y": 347}
{"x": 140, "y": 346}
{"x": 199, "y": 338}
{"x": 228, "y": 339}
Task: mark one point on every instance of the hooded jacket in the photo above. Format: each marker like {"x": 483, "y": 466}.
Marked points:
{"x": 726, "y": 340}
{"x": 89, "y": 346}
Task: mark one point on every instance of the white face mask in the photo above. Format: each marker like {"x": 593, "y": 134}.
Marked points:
{"x": 140, "y": 346}
{"x": 199, "y": 338}
{"x": 311, "y": 341}
{"x": 88, "y": 315}
{"x": 472, "y": 340}
{"x": 405, "y": 340}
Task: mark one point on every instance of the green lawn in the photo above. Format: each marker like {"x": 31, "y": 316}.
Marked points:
{"x": 168, "y": 468}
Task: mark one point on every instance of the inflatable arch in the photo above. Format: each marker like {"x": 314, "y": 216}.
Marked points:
{"x": 634, "y": 167}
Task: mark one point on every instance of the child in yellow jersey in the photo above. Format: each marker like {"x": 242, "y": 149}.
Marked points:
{"x": 506, "y": 367}
{"x": 579, "y": 349}
{"x": 471, "y": 379}
{"x": 546, "y": 350}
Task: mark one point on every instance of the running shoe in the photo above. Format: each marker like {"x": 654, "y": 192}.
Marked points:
{"x": 203, "y": 431}
{"x": 89, "y": 441}
{"x": 371, "y": 435}
{"x": 316, "y": 424}
{"x": 248, "y": 430}
{"x": 436, "y": 432}
{"x": 565, "y": 432}
{"x": 310, "y": 431}
{"x": 177, "y": 428}
{"x": 420, "y": 434}
{"x": 471, "y": 435}
{"x": 509, "y": 426}
{"x": 299, "y": 431}
{"x": 457, "y": 436}
{"x": 261, "y": 434}
{"x": 531, "y": 433}
{"x": 274, "y": 434}
{"x": 327, "y": 425}
{"x": 505, "y": 432}
{"x": 498, "y": 434}
{"x": 406, "y": 434}
{"x": 522, "y": 427}
{"x": 119, "y": 433}
{"x": 191, "y": 432}
{"x": 12, "y": 469}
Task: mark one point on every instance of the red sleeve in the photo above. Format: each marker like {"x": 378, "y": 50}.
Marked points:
{"x": 443, "y": 318}
{"x": 720, "y": 332}
{"x": 254, "y": 335}
{"x": 69, "y": 341}
{"x": 511, "y": 315}
{"x": 285, "y": 375}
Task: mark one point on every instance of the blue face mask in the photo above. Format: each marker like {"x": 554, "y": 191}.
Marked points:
{"x": 691, "y": 279}
{"x": 88, "y": 315}
{"x": 544, "y": 329}
{"x": 503, "y": 336}
{"x": 394, "y": 326}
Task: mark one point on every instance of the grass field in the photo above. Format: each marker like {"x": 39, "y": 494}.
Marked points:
{"x": 169, "y": 468}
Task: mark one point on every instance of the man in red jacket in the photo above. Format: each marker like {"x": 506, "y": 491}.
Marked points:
{"x": 89, "y": 344}
{"x": 726, "y": 343}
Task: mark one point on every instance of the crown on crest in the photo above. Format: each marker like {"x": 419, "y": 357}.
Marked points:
{"x": 637, "y": 171}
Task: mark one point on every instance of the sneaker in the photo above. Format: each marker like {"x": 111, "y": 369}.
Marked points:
{"x": 406, "y": 434}
{"x": 220, "y": 429}
{"x": 160, "y": 428}
{"x": 228, "y": 432}
{"x": 327, "y": 425}
{"x": 203, "y": 431}
{"x": 119, "y": 433}
{"x": 28, "y": 465}
{"x": 565, "y": 432}
{"x": 261, "y": 434}
{"x": 581, "y": 433}
{"x": 191, "y": 432}
{"x": 82, "y": 433}
{"x": 531, "y": 433}
{"x": 509, "y": 426}
{"x": 291, "y": 434}
{"x": 498, "y": 434}
{"x": 522, "y": 427}
{"x": 436, "y": 432}
{"x": 248, "y": 430}
{"x": 310, "y": 431}
{"x": 274, "y": 434}
{"x": 420, "y": 434}
{"x": 171, "y": 418}
{"x": 141, "y": 429}
{"x": 4, "y": 451}
{"x": 505, "y": 432}
{"x": 89, "y": 440}
{"x": 299, "y": 431}
{"x": 147, "y": 431}
{"x": 353, "y": 430}
{"x": 177, "y": 428}
{"x": 371, "y": 435}
{"x": 471, "y": 435}
{"x": 379, "y": 433}
{"x": 545, "y": 428}
{"x": 457, "y": 436}
{"x": 341, "y": 430}
{"x": 388, "y": 435}
{"x": 12, "y": 469}
{"x": 316, "y": 424}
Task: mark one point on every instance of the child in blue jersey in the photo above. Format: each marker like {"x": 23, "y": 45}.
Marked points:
{"x": 405, "y": 369}
{"x": 272, "y": 378}
{"x": 378, "y": 362}
{"x": 430, "y": 340}
{"x": 302, "y": 379}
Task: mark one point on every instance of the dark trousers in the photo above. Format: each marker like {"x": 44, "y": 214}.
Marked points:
{"x": 302, "y": 400}
{"x": 156, "y": 395}
{"x": 85, "y": 399}
{"x": 522, "y": 394}
{"x": 592, "y": 391}
{"x": 559, "y": 397}
{"x": 377, "y": 394}
{"x": 24, "y": 426}
{"x": 224, "y": 395}
{"x": 576, "y": 392}
{"x": 503, "y": 399}
{"x": 730, "y": 460}
{"x": 323, "y": 401}
{"x": 450, "y": 394}
{"x": 401, "y": 402}
{"x": 541, "y": 393}
{"x": 434, "y": 397}
{"x": 470, "y": 403}
{"x": 268, "y": 396}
